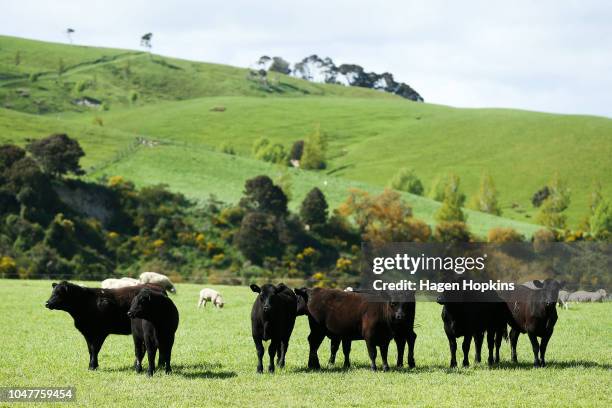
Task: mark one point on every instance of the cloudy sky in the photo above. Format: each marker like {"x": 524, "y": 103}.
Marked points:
{"x": 553, "y": 56}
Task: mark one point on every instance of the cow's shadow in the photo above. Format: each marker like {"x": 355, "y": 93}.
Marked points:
{"x": 203, "y": 370}
{"x": 562, "y": 365}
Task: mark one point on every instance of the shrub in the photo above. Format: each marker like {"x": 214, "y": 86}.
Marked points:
{"x": 406, "y": 180}
{"x": 486, "y": 198}
{"x": 315, "y": 148}
{"x": 272, "y": 153}
{"x": 539, "y": 196}
{"x": 262, "y": 195}
{"x": 502, "y": 235}
{"x": 227, "y": 148}
{"x": 297, "y": 150}
{"x": 452, "y": 232}
{"x": 601, "y": 221}
{"x": 552, "y": 208}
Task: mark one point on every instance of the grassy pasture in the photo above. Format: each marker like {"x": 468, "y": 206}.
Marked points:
{"x": 214, "y": 361}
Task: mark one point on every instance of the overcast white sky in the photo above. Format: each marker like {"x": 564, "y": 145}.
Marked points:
{"x": 553, "y": 56}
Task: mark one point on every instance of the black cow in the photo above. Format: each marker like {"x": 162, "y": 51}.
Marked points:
{"x": 272, "y": 318}
{"x": 346, "y": 316}
{"x": 534, "y": 313}
{"x": 469, "y": 314}
{"x": 96, "y": 312}
{"x": 154, "y": 322}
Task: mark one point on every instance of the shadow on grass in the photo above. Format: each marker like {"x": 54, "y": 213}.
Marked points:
{"x": 392, "y": 369}
{"x": 560, "y": 365}
{"x": 204, "y": 370}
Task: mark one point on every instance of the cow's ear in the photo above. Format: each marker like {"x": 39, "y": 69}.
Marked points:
{"x": 538, "y": 284}
{"x": 53, "y": 285}
{"x": 561, "y": 284}
{"x": 301, "y": 292}
{"x": 255, "y": 288}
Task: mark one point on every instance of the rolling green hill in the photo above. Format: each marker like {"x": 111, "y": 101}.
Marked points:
{"x": 371, "y": 134}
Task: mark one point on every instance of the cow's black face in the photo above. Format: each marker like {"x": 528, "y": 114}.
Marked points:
{"x": 267, "y": 295}
{"x": 551, "y": 288}
{"x": 399, "y": 310}
{"x": 140, "y": 305}
{"x": 61, "y": 296}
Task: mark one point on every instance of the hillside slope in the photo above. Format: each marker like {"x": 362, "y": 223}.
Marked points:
{"x": 40, "y": 77}
{"x": 371, "y": 134}
{"x": 370, "y": 140}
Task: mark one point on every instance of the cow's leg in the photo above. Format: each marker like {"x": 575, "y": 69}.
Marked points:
{"x": 536, "y": 349}
{"x": 411, "y": 341}
{"x": 478, "y": 339}
{"x": 315, "y": 338}
{"x": 400, "y": 342}
{"x": 169, "y": 355}
{"x": 283, "y": 350}
{"x": 384, "y": 349}
{"x": 94, "y": 344}
{"x": 490, "y": 345}
{"x": 543, "y": 345}
{"x": 467, "y": 340}
{"x": 346, "y": 350}
{"x": 372, "y": 353}
{"x": 272, "y": 349}
{"x": 514, "y": 335}
{"x": 498, "y": 340}
{"x": 151, "y": 351}
{"x": 139, "y": 352}
{"x": 452, "y": 345}
{"x": 334, "y": 345}
{"x": 260, "y": 352}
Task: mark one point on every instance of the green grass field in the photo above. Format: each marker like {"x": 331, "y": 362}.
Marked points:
{"x": 214, "y": 361}
{"x": 371, "y": 134}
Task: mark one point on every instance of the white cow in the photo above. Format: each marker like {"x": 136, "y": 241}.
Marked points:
{"x": 112, "y": 283}
{"x": 157, "y": 279}
{"x": 210, "y": 295}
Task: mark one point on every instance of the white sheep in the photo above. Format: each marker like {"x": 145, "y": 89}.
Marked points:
{"x": 112, "y": 283}
{"x": 349, "y": 289}
{"x": 210, "y": 295}
{"x": 157, "y": 279}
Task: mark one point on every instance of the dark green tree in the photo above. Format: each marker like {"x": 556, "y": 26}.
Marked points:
{"x": 57, "y": 154}
{"x": 257, "y": 237}
{"x": 314, "y": 208}
{"x": 261, "y": 194}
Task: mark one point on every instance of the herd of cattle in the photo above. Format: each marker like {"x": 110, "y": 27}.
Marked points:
{"x": 141, "y": 307}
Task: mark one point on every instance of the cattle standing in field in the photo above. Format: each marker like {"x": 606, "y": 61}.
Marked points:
{"x": 469, "y": 314}
{"x": 154, "y": 322}
{"x": 158, "y": 279}
{"x": 563, "y": 299}
{"x": 96, "y": 312}
{"x": 210, "y": 295}
{"x": 272, "y": 318}
{"x": 112, "y": 283}
{"x": 347, "y": 316}
{"x": 584, "y": 296}
{"x": 534, "y": 312}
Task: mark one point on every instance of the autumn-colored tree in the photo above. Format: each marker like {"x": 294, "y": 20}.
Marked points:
{"x": 383, "y": 218}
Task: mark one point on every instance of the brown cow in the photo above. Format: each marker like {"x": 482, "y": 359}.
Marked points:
{"x": 346, "y": 316}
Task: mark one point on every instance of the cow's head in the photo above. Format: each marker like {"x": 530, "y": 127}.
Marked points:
{"x": 302, "y": 300}
{"x": 141, "y": 304}
{"x": 63, "y": 297}
{"x": 267, "y": 295}
{"x": 550, "y": 290}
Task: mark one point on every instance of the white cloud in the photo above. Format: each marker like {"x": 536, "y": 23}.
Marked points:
{"x": 546, "y": 55}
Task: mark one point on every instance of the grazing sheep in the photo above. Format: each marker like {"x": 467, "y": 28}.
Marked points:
{"x": 564, "y": 299}
{"x": 158, "y": 279}
{"x": 584, "y": 296}
{"x": 210, "y": 295}
{"x": 348, "y": 289}
{"x": 112, "y": 283}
